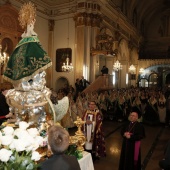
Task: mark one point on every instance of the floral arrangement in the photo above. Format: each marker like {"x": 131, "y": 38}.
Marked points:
{"x": 72, "y": 150}
{"x": 18, "y": 147}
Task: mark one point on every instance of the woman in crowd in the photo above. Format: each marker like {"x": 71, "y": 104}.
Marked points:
{"x": 151, "y": 115}
{"x": 162, "y": 107}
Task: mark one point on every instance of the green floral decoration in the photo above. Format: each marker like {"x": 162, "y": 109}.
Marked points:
{"x": 19, "y": 161}
{"x": 72, "y": 150}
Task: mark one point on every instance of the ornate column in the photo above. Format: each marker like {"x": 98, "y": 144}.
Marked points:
{"x": 85, "y": 36}
{"x": 80, "y": 44}
{"x": 49, "y": 76}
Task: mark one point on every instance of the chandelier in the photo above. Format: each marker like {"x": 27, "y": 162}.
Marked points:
{"x": 3, "y": 56}
{"x": 117, "y": 66}
{"x": 66, "y": 66}
{"x": 132, "y": 69}
{"x": 141, "y": 70}
{"x": 3, "y": 60}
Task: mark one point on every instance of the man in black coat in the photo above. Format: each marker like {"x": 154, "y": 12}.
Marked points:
{"x": 104, "y": 70}
{"x": 132, "y": 133}
{"x": 58, "y": 140}
{"x": 83, "y": 83}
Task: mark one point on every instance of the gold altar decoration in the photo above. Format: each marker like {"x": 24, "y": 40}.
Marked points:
{"x": 79, "y": 138}
{"x": 27, "y": 14}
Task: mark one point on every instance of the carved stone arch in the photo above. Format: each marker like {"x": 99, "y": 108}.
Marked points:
{"x": 10, "y": 30}
{"x": 60, "y": 82}
{"x": 7, "y": 45}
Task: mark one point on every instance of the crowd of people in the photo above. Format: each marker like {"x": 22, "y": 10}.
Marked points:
{"x": 153, "y": 105}
{"x": 133, "y": 105}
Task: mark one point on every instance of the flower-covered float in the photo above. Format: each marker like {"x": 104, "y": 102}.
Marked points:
{"x": 24, "y": 142}
{"x": 19, "y": 147}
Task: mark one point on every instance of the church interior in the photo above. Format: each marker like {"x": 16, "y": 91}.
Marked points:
{"x": 130, "y": 37}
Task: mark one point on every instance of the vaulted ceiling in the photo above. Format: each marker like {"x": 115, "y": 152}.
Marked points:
{"x": 151, "y": 18}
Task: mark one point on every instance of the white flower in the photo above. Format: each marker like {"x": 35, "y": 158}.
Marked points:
{"x": 6, "y": 140}
{"x": 20, "y": 133}
{"x": 23, "y": 125}
{"x": 33, "y": 132}
{"x": 35, "y": 156}
{"x": 39, "y": 140}
{"x": 12, "y": 145}
{"x": 5, "y": 155}
{"x": 30, "y": 148}
{"x": 19, "y": 145}
{"x": 8, "y": 130}
{"x": 35, "y": 146}
{"x": 28, "y": 140}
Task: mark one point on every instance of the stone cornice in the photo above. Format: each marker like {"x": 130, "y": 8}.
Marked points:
{"x": 87, "y": 19}
{"x": 111, "y": 15}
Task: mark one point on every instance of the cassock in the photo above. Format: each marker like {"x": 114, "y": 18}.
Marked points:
{"x": 130, "y": 158}
{"x": 94, "y": 133}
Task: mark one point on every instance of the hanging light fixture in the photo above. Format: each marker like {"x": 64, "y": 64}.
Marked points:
{"x": 67, "y": 66}
{"x": 132, "y": 69}
{"x": 117, "y": 66}
{"x": 141, "y": 70}
{"x": 3, "y": 58}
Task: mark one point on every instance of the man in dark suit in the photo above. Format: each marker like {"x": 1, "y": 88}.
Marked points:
{"x": 104, "y": 70}
{"x": 58, "y": 140}
{"x": 83, "y": 83}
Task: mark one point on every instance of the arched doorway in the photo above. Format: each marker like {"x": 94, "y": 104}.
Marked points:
{"x": 153, "y": 80}
{"x": 167, "y": 80}
{"x": 60, "y": 83}
{"x": 143, "y": 82}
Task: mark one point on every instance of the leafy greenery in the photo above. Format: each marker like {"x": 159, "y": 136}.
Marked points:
{"x": 72, "y": 150}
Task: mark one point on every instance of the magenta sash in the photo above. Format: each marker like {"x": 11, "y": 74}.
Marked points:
{"x": 136, "y": 151}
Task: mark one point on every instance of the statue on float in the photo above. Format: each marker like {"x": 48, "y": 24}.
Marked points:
{"x": 30, "y": 99}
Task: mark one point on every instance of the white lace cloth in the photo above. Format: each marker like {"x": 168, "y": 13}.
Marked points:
{"x": 86, "y": 162}
{"x": 61, "y": 108}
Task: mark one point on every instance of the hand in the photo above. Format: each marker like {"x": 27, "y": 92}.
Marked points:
{"x": 9, "y": 115}
{"x": 88, "y": 122}
{"x": 11, "y": 120}
{"x": 127, "y": 135}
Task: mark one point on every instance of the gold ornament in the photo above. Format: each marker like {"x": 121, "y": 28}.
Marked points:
{"x": 79, "y": 138}
{"x": 27, "y": 14}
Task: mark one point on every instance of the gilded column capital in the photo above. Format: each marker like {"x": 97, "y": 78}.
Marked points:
{"x": 87, "y": 19}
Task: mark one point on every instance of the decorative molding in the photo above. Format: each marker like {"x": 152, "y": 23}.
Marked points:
{"x": 87, "y": 19}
